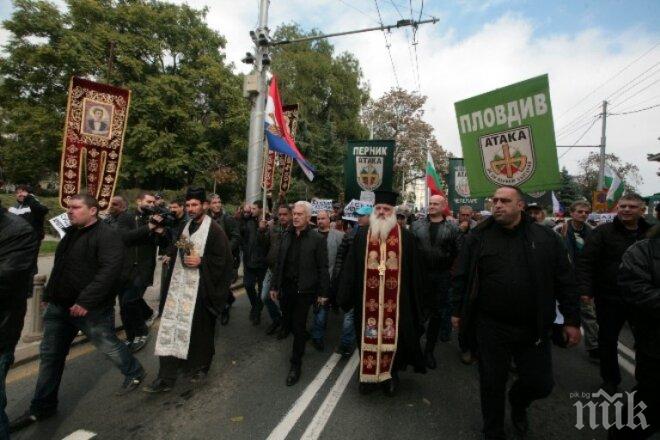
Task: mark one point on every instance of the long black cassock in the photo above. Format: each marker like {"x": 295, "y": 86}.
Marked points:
{"x": 411, "y": 298}
{"x": 215, "y": 275}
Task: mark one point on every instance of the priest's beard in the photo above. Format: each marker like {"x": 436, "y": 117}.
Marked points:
{"x": 381, "y": 227}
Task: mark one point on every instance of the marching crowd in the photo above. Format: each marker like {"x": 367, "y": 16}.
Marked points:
{"x": 508, "y": 284}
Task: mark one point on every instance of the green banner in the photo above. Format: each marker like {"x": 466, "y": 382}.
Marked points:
{"x": 369, "y": 166}
{"x": 508, "y": 138}
{"x": 459, "y": 188}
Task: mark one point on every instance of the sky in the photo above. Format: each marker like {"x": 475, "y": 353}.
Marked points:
{"x": 591, "y": 50}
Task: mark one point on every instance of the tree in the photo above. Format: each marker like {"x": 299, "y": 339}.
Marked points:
{"x": 187, "y": 109}
{"x": 588, "y": 177}
{"x": 570, "y": 190}
{"x": 398, "y": 115}
{"x": 331, "y": 93}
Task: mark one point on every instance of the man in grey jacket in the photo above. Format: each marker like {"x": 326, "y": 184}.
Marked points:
{"x": 333, "y": 238}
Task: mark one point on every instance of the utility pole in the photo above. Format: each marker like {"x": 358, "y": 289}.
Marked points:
{"x": 256, "y": 137}
{"x": 255, "y": 87}
{"x": 601, "y": 168}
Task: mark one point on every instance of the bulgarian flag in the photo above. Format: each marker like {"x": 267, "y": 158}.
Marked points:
{"x": 433, "y": 179}
{"x": 614, "y": 185}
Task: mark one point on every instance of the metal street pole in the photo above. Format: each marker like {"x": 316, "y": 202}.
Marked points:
{"x": 601, "y": 168}
{"x": 256, "y": 138}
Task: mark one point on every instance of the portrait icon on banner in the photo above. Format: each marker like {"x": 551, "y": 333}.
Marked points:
{"x": 97, "y": 118}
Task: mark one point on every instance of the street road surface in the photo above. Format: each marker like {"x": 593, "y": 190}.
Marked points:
{"x": 245, "y": 396}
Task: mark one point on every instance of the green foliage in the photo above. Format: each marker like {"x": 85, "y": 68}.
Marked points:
{"x": 570, "y": 190}
{"x": 331, "y": 93}
{"x": 187, "y": 115}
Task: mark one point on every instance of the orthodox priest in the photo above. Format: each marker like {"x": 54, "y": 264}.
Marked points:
{"x": 383, "y": 284}
{"x": 202, "y": 272}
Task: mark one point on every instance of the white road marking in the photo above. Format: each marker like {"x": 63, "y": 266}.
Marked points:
{"x": 627, "y": 351}
{"x": 315, "y": 428}
{"x": 626, "y": 365}
{"x": 300, "y": 405}
{"x": 80, "y": 434}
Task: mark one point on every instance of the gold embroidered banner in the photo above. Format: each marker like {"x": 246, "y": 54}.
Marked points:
{"x": 96, "y": 120}
{"x": 291, "y": 118}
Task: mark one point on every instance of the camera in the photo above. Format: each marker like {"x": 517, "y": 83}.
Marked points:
{"x": 168, "y": 219}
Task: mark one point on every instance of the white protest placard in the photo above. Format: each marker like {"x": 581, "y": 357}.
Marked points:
{"x": 60, "y": 223}
{"x": 353, "y": 205}
{"x": 321, "y": 205}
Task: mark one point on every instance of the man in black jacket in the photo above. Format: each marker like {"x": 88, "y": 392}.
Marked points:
{"x": 597, "y": 268}
{"x": 639, "y": 280}
{"x": 18, "y": 247}
{"x": 254, "y": 257}
{"x": 29, "y": 207}
{"x": 301, "y": 277}
{"x": 510, "y": 273}
{"x": 142, "y": 237}
{"x": 229, "y": 225}
{"x": 80, "y": 297}
{"x": 437, "y": 239}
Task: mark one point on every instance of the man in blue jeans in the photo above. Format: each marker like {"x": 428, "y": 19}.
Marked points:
{"x": 80, "y": 297}
{"x": 333, "y": 239}
{"x": 18, "y": 249}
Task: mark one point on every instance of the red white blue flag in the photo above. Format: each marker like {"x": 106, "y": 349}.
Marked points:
{"x": 277, "y": 131}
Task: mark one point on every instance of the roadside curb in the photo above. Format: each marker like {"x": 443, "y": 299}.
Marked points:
{"x": 30, "y": 352}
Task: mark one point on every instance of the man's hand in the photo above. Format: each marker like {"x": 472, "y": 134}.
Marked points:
{"x": 456, "y": 322}
{"x": 77, "y": 311}
{"x": 572, "y": 335}
{"x": 586, "y": 299}
{"x": 464, "y": 226}
{"x": 273, "y": 295}
{"x": 166, "y": 260}
{"x": 153, "y": 224}
{"x": 192, "y": 260}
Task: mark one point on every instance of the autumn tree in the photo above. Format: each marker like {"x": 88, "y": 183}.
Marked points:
{"x": 587, "y": 178}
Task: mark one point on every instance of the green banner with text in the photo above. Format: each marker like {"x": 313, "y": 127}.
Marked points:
{"x": 508, "y": 138}
{"x": 459, "y": 193}
{"x": 369, "y": 166}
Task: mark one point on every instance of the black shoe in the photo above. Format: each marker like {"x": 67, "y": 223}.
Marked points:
{"x": 199, "y": 376}
{"x": 158, "y": 386}
{"x": 139, "y": 343}
{"x": 430, "y": 360}
{"x": 519, "y": 419}
{"x": 224, "y": 316}
{"x": 391, "y": 386}
{"x": 26, "y": 420}
{"x": 283, "y": 334}
{"x": 275, "y": 326}
{"x": 131, "y": 383}
{"x": 345, "y": 351}
{"x": 594, "y": 355}
{"x": 318, "y": 344}
{"x": 366, "y": 388}
{"x": 610, "y": 388}
{"x": 294, "y": 376}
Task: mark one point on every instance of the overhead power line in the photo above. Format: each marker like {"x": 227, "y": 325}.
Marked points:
{"x": 580, "y": 138}
{"x": 634, "y": 111}
{"x": 388, "y": 46}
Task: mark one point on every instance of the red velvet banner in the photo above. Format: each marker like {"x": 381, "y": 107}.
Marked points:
{"x": 96, "y": 120}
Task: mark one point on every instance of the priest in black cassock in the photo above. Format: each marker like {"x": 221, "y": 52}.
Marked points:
{"x": 383, "y": 283}
{"x": 202, "y": 272}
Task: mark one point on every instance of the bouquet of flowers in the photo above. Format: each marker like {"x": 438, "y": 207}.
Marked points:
{"x": 185, "y": 246}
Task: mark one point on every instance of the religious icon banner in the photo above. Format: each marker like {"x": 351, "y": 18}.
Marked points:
{"x": 508, "y": 138}
{"x": 96, "y": 120}
{"x": 369, "y": 166}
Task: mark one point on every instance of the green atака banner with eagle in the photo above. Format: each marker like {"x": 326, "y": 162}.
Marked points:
{"x": 369, "y": 166}
{"x": 508, "y": 138}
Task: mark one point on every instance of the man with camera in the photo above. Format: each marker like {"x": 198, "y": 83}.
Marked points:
{"x": 143, "y": 230}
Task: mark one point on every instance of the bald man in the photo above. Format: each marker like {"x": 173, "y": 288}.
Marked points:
{"x": 437, "y": 240}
